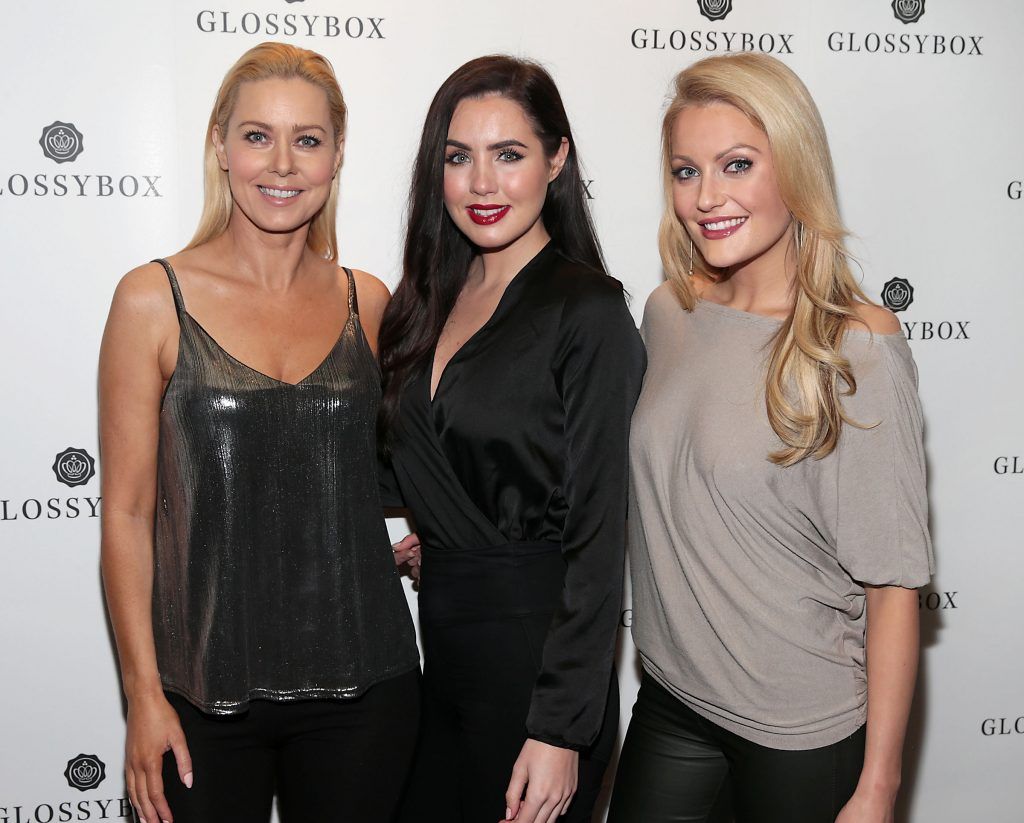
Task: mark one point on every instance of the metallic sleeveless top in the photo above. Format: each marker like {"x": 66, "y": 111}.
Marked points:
{"x": 273, "y": 575}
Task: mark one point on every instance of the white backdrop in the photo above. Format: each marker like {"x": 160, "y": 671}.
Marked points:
{"x": 100, "y": 170}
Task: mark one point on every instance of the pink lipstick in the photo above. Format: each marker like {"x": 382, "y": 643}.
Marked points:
{"x": 718, "y": 228}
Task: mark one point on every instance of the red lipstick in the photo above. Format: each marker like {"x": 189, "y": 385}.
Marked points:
{"x": 486, "y": 214}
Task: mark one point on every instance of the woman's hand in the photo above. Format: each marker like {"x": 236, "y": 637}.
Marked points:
{"x": 407, "y": 550}
{"x": 153, "y": 728}
{"x": 548, "y": 774}
{"x": 865, "y": 807}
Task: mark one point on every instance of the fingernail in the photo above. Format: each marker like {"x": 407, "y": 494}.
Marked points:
{"x": 188, "y": 780}
{"x": 508, "y": 813}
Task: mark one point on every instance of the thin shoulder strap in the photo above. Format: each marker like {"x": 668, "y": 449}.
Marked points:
{"x": 179, "y": 303}
{"x": 353, "y": 303}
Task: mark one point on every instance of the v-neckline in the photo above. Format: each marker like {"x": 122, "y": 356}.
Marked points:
{"x": 495, "y": 316}
{"x": 264, "y": 375}
{"x": 183, "y": 310}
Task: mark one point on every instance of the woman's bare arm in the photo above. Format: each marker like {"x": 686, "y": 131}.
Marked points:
{"x": 892, "y": 653}
{"x": 135, "y": 362}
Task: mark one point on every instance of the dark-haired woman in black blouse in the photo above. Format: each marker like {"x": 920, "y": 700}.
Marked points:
{"x": 511, "y": 368}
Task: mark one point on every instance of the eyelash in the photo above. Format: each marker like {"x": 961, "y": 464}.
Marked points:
{"x": 748, "y": 165}
{"x": 511, "y": 155}
{"x": 316, "y": 141}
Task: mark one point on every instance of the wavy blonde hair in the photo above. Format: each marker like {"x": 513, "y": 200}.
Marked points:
{"x": 806, "y": 374}
{"x": 263, "y": 62}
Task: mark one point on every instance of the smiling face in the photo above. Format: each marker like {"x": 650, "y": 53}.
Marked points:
{"x": 496, "y": 173}
{"x": 280, "y": 153}
{"x": 724, "y": 188}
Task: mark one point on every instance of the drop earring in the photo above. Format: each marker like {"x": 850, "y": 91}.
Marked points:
{"x": 690, "y": 272}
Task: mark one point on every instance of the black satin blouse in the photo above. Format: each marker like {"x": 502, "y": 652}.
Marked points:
{"x": 526, "y": 440}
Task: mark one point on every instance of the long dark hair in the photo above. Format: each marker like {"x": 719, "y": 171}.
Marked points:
{"x": 437, "y": 254}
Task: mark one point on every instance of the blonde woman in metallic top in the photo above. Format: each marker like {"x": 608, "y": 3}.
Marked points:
{"x": 264, "y": 640}
{"x": 778, "y": 523}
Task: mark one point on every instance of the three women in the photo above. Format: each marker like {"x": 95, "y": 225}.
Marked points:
{"x": 777, "y": 474}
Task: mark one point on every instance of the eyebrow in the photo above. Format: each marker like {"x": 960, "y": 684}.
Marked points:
{"x": 721, "y": 154}
{"x": 504, "y": 144}
{"x": 268, "y": 127}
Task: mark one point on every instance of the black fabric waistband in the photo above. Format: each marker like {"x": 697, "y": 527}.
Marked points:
{"x": 490, "y": 582}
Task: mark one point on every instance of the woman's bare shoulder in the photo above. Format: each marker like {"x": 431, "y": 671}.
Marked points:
{"x": 372, "y": 293}
{"x": 144, "y": 290}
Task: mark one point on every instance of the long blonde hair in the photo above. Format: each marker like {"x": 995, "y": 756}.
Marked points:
{"x": 806, "y": 374}
{"x": 263, "y": 62}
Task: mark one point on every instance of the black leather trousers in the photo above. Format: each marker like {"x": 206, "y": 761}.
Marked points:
{"x": 677, "y": 767}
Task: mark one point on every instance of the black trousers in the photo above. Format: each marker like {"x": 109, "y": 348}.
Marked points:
{"x": 678, "y": 767}
{"x": 328, "y": 761}
{"x": 478, "y": 679}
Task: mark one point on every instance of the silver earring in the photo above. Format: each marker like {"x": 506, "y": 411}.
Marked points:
{"x": 690, "y": 272}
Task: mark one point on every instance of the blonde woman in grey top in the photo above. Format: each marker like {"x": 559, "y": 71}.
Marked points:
{"x": 778, "y": 510}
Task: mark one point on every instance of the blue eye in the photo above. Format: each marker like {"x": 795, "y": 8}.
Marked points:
{"x": 457, "y": 158}
{"x": 739, "y": 165}
{"x": 510, "y": 156}
{"x": 309, "y": 141}
{"x": 256, "y": 137}
{"x": 685, "y": 173}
